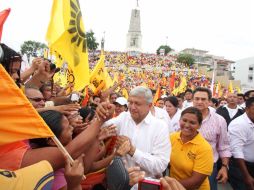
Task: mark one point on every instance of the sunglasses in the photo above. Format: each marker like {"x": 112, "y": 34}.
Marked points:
{"x": 37, "y": 99}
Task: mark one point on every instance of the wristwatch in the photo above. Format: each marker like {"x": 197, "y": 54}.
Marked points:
{"x": 225, "y": 165}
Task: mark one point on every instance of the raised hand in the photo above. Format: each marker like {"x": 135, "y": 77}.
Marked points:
{"x": 107, "y": 132}
{"x": 74, "y": 172}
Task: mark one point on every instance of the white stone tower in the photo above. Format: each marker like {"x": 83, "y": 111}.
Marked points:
{"x": 134, "y": 37}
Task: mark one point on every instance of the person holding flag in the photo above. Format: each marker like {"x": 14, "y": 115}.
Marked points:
{"x": 15, "y": 152}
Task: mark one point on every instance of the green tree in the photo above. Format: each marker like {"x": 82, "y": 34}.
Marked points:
{"x": 165, "y": 47}
{"x": 32, "y": 48}
{"x": 91, "y": 41}
{"x": 186, "y": 58}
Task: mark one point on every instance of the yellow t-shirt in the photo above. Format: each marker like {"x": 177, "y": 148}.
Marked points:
{"x": 195, "y": 155}
{"x": 36, "y": 176}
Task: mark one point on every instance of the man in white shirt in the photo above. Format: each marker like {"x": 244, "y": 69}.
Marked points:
{"x": 231, "y": 110}
{"x": 188, "y": 95}
{"x": 241, "y": 134}
{"x": 162, "y": 115}
{"x": 148, "y": 136}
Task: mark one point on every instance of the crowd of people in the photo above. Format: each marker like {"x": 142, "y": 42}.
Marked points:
{"x": 155, "y": 71}
{"x": 188, "y": 140}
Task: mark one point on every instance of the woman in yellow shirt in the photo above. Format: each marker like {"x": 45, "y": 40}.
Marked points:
{"x": 191, "y": 160}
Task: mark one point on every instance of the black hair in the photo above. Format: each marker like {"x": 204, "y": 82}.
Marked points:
{"x": 8, "y": 57}
{"x": 86, "y": 111}
{"x": 195, "y": 111}
{"x": 202, "y": 89}
{"x": 113, "y": 93}
{"x": 173, "y": 100}
{"x": 43, "y": 87}
{"x": 249, "y": 102}
{"x": 246, "y": 94}
{"x": 188, "y": 90}
{"x": 215, "y": 101}
{"x": 180, "y": 96}
{"x": 240, "y": 95}
{"x": 53, "y": 119}
{"x": 95, "y": 97}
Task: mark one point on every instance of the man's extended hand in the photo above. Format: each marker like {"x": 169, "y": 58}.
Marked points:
{"x": 105, "y": 111}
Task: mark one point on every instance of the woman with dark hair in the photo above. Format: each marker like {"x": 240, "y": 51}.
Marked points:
{"x": 191, "y": 160}
{"x": 171, "y": 105}
{"x": 11, "y": 61}
{"x": 59, "y": 125}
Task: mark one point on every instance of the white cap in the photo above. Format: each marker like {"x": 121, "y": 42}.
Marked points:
{"x": 121, "y": 100}
{"x": 164, "y": 96}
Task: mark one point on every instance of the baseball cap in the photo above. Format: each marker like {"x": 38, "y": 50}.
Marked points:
{"x": 122, "y": 101}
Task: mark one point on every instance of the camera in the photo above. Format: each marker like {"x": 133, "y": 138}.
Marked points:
{"x": 74, "y": 97}
{"x": 149, "y": 184}
{"x": 52, "y": 66}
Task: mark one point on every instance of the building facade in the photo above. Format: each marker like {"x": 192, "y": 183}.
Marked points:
{"x": 244, "y": 71}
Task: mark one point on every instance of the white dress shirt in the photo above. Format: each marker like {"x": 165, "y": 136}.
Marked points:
{"x": 187, "y": 104}
{"x": 151, "y": 139}
{"x": 175, "y": 120}
{"x": 241, "y": 135}
{"x": 162, "y": 114}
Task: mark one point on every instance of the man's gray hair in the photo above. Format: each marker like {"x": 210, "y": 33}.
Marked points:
{"x": 144, "y": 92}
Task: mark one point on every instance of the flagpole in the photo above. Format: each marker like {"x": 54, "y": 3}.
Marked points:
{"x": 64, "y": 151}
{"x": 214, "y": 68}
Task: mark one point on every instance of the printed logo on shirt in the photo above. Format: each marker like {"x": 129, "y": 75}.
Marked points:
{"x": 191, "y": 155}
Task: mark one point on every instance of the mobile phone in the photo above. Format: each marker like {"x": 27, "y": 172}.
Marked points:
{"x": 149, "y": 184}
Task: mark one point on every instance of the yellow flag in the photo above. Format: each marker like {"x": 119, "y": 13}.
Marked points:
{"x": 66, "y": 35}
{"x": 19, "y": 120}
{"x": 46, "y": 53}
{"x": 183, "y": 85}
{"x": 125, "y": 93}
{"x": 108, "y": 80}
{"x": 157, "y": 95}
{"x": 97, "y": 77}
{"x": 230, "y": 87}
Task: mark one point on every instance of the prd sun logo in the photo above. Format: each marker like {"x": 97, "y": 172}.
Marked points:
{"x": 76, "y": 27}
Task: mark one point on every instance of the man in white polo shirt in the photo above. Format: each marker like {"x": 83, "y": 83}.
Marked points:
{"x": 241, "y": 134}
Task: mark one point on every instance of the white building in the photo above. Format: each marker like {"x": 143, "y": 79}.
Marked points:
{"x": 244, "y": 71}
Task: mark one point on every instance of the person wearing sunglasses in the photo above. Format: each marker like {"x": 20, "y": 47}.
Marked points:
{"x": 35, "y": 97}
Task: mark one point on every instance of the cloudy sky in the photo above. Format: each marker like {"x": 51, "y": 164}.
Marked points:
{"x": 222, "y": 27}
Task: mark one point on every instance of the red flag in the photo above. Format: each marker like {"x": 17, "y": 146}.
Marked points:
{"x": 86, "y": 97}
{"x": 3, "y": 16}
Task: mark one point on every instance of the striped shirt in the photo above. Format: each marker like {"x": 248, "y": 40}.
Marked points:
{"x": 214, "y": 130}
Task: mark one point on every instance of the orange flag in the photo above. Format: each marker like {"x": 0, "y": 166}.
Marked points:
{"x": 3, "y": 16}
{"x": 172, "y": 81}
{"x": 19, "y": 120}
